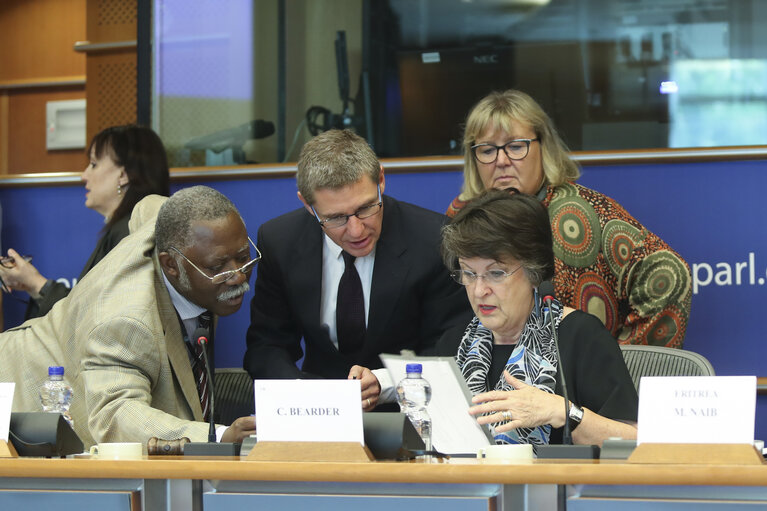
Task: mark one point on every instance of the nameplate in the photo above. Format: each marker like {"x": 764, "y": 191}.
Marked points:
{"x": 697, "y": 410}
{"x": 308, "y": 411}
{"x": 6, "y": 403}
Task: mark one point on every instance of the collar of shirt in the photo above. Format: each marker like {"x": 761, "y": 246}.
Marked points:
{"x": 332, "y": 269}
{"x": 186, "y": 310}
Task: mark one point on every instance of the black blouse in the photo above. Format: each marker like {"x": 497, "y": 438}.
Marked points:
{"x": 594, "y": 369}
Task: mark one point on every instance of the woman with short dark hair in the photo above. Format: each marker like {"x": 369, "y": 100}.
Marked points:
{"x": 500, "y": 248}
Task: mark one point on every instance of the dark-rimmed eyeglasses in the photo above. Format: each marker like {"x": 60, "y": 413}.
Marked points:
{"x": 515, "y": 150}
{"x": 340, "y": 220}
{"x": 466, "y": 277}
{"x": 225, "y": 276}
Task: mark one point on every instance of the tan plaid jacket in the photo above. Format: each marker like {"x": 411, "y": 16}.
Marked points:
{"x": 119, "y": 339}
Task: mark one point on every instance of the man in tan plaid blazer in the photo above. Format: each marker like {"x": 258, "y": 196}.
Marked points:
{"x": 119, "y": 335}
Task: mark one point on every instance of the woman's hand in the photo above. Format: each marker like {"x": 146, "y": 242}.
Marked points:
{"x": 22, "y": 276}
{"x": 527, "y": 407}
{"x": 371, "y": 389}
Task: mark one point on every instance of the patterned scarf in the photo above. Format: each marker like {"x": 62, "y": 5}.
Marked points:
{"x": 533, "y": 361}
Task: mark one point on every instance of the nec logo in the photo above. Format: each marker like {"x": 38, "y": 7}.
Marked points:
{"x": 486, "y": 59}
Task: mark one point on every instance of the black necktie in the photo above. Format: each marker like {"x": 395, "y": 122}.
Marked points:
{"x": 205, "y": 321}
{"x": 350, "y": 308}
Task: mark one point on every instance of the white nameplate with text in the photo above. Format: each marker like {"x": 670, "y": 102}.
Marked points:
{"x": 308, "y": 411}
{"x": 6, "y": 402}
{"x": 697, "y": 409}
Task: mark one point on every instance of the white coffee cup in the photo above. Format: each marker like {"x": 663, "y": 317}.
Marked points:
{"x": 118, "y": 451}
{"x": 506, "y": 453}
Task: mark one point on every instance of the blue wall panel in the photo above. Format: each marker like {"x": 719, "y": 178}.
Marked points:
{"x": 711, "y": 213}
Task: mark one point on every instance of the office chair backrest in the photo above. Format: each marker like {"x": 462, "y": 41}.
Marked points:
{"x": 661, "y": 361}
{"x": 234, "y": 395}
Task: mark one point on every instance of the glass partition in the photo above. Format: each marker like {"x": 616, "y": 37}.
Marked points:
{"x": 249, "y": 81}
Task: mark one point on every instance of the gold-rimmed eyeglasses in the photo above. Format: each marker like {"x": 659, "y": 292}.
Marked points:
{"x": 225, "y": 276}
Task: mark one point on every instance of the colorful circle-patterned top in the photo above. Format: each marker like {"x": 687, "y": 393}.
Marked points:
{"x": 610, "y": 265}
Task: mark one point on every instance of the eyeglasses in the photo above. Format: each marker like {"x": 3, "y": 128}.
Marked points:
{"x": 466, "y": 277}
{"x": 225, "y": 276}
{"x": 515, "y": 150}
{"x": 364, "y": 212}
{"x": 10, "y": 262}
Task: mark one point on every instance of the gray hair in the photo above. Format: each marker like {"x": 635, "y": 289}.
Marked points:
{"x": 174, "y": 221}
{"x": 334, "y": 159}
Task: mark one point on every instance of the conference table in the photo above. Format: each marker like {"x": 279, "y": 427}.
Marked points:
{"x": 208, "y": 483}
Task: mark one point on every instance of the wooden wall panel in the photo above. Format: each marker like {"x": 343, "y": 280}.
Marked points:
{"x": 111, "y": 20}
{"x": 38, "y": 37}
{"x": 26, "y": 133}
{"x": 111, "y": 90}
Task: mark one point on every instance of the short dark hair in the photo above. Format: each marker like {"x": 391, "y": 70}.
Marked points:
{"x": 334, "y": 159}
{"x": 140, "y": 152}
{"x": 502, "y": 224}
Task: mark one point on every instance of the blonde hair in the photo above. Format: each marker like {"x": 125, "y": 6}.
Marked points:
{"x": 499, "y": 110}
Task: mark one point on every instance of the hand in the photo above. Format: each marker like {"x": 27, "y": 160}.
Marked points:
{"x": 22, "y": 276}
{"x": 240, "y": 429}
{"x": 528, "y": 405}
{"x": 369, "y": 386}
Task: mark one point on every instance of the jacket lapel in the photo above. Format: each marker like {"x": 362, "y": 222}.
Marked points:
{"x": 389, "y": 272}
{"x": 306, "y": 276}
{"x": 178, "y": 354}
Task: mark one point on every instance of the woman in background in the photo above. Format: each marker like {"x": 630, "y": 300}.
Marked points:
{"x": 127, "y": 163}
{"x": 606, "y": 262}
{"x": 500, "y": 248}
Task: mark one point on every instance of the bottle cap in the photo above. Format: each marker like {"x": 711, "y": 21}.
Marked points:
{"x": 413, "y": 368}
{"x": 55, "y": 371}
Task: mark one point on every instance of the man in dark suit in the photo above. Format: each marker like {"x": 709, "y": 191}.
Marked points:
{"x": 354, "y": 273}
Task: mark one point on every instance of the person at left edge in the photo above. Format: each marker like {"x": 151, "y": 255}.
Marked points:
{"x": 120, "y": 334}
{"x": 409, "y": 300}
{"x": 126, "y": 163}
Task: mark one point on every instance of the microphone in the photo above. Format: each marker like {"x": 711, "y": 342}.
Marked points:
{"x": 211, "y": 447}
{"x": 566, "y": 450}
{"x": 232, "y": 137}
{"x": 201, "y": 335}
{"x": 546, "y": 292}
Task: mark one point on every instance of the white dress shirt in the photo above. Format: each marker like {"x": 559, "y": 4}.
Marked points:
{"x": 332, "y": 269}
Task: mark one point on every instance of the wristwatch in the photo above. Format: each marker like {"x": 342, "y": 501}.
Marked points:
{"x": 575, "y": 416}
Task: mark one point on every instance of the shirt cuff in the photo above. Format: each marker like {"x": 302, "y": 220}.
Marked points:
{"x": 45, "y": 289}
{"x": 220, "y": 432}
{"x": 388, "y": 394}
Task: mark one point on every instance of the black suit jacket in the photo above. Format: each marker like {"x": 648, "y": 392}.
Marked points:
{"x": 413, "y": 300}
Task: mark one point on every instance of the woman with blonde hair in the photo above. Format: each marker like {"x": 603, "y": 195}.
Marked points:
{"x": 606, "y": 262}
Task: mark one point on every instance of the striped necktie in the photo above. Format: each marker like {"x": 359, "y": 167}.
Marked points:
{"x": 198, "y": 366}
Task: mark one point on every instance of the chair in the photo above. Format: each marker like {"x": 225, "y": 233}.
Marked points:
{"x": 661, "y": 361}
{"x": 234, "y": 395}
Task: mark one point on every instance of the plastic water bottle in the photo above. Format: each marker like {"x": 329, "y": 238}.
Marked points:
{"x": 413, "y": 394}
{"x": 56, "y": 394}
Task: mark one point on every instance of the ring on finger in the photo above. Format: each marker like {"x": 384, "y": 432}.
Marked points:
{"x": 369, "y": 402}
{"x": 506, "y": 414}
